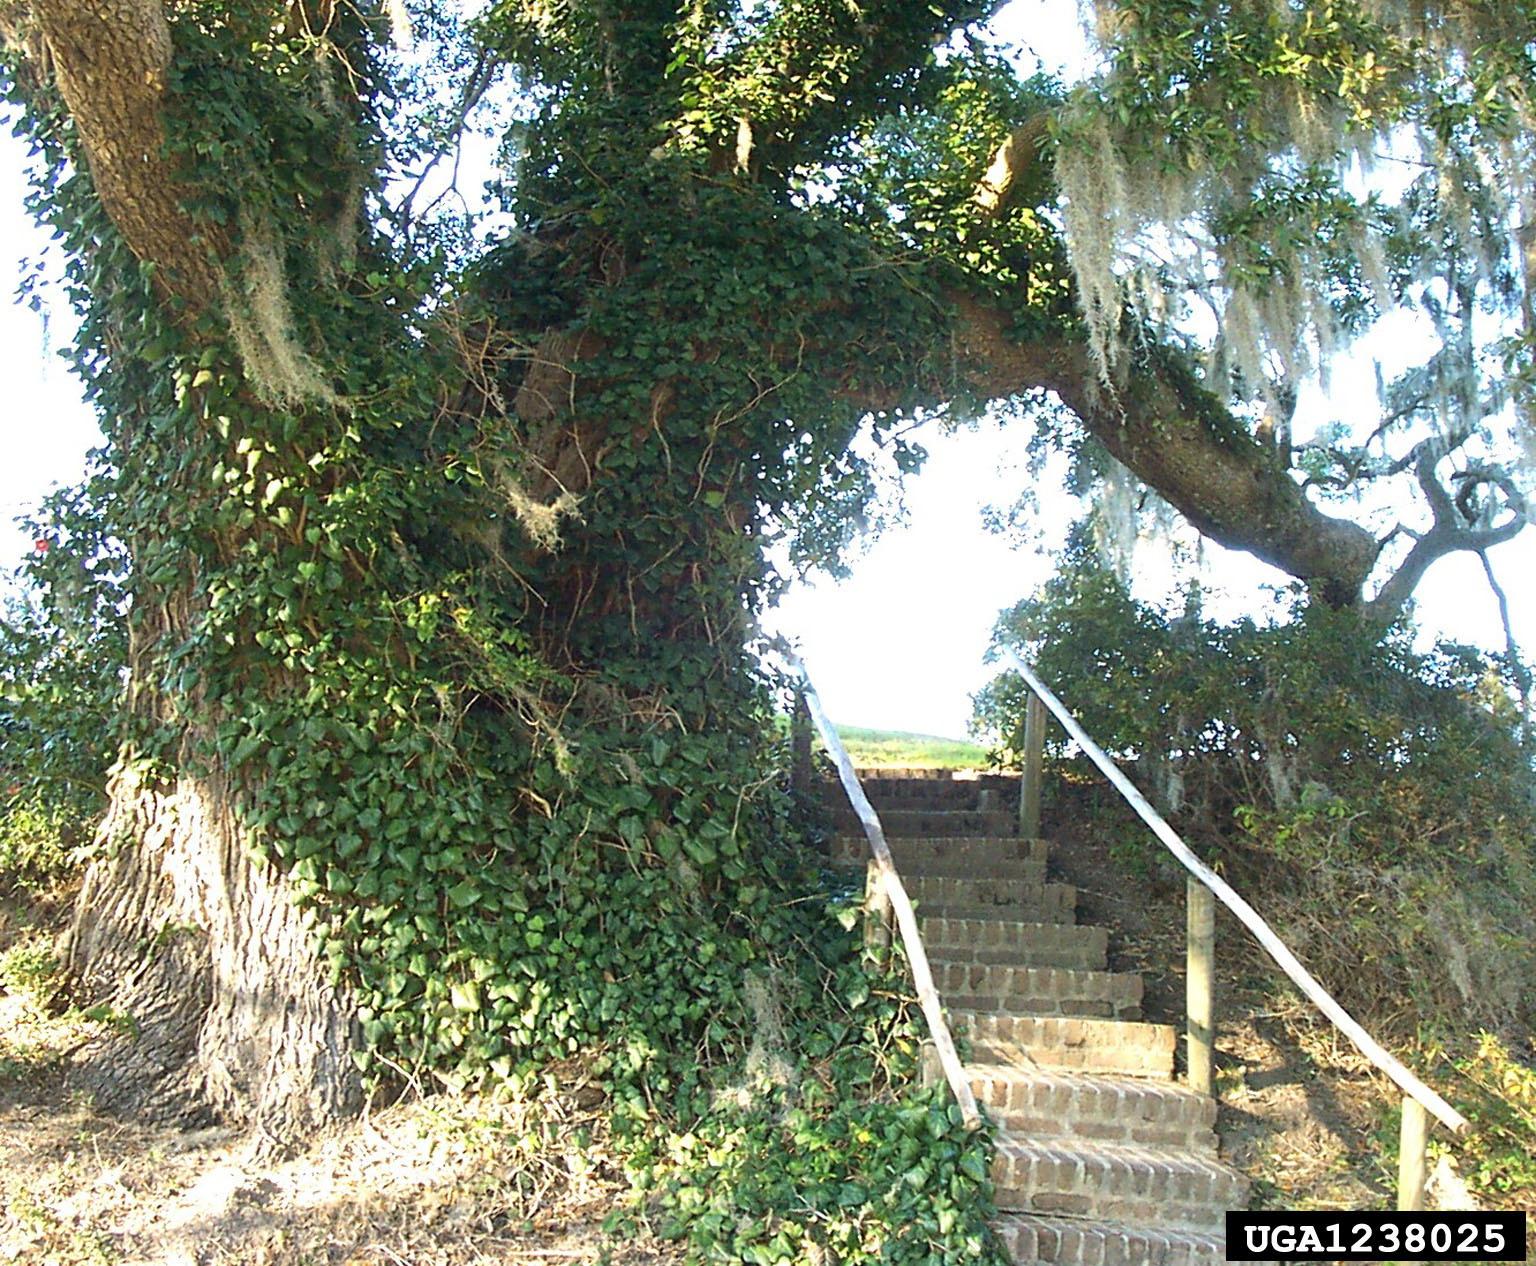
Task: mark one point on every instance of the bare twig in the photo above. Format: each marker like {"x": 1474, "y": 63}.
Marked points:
{"x": 1512, "y": 650}
{"x": 479, "y": 83}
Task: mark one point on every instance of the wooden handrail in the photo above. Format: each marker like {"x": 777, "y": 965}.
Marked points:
{"x": 888, "y": 883}
{"x": 1246, "y": 915}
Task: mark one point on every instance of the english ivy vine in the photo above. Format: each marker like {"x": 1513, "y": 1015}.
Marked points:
{"x": 504, "y": 734}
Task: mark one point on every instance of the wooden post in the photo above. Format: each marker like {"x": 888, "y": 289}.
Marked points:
{"x": 877, "y": 908}
{"x": 1412, "y": 1160}
{"x": 1034, "y": 759}
{"x": 800, "y": 746}
{"x": 1199, "y": 985}
{"x": 1245, "y": 913}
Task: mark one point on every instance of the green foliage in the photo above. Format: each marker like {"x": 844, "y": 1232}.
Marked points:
{"x": 63, "y": 644}
{"x": 1085, "y": 629}
{"x": 28, "y": 966}
{"x": 477, "y": 681}
{"x": 829, "y": 1155}
{"x": 779, "y": 1182}
{"x": 1286, "y": 175}
{"x": 1375, "y": 794}
{"x": 1499, "y": 1099}
{"x": 914, "y": 176}
{"x": 39, "y": 843}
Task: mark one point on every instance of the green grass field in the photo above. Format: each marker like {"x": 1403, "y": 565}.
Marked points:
{"x": 893, "y": 747}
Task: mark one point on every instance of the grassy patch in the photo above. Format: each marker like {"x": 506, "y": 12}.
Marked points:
{"x": 895, "y": 747}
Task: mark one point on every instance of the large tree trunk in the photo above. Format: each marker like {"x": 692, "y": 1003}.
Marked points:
{"x": 184, "y": 934}
{"x": 211, "y": 975}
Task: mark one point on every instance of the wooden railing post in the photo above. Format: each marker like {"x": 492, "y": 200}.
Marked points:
{"x": 1245, "y": 913}
{"x": 1200, "y": 985}
{"x": 877, "y": 909}
{"x": 1034, "y": 759}
{"x": 1412, "y": 1156}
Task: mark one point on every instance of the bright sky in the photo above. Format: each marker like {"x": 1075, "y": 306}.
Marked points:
{"x": 898, "y": 645}
{"x": 48, "y": 430}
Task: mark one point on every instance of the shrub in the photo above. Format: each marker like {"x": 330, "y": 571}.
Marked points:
{"x": 63, "y": 646}
{"x": 1376, "y": 795}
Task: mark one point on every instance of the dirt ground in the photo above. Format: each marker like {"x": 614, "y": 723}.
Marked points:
{"x": 439, "y": 1181}
{"x": 428, "y": 1184}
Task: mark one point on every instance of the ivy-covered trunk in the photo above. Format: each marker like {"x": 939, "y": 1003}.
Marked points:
{"x": 446, "y": 745}
{"x": 190, "y": 939}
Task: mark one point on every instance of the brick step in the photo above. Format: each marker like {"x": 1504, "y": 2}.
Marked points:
{"x": 995, "y": 794}
{"x": 1031, "y": 1240}
{"x": 1016, "y": 943}
{"x": 931, "y": 822}
{"x": 942, "y": 854}
{"x": 993, "y": 897}
{"x": 1070, "y": 1044}
{"x": 1162, "y": 1187}
{"x": 903, "y": 773}
{"x": 1037, "y": 990}
{"x": 1044, "y": 1104}
{"x": 962, "y": 866}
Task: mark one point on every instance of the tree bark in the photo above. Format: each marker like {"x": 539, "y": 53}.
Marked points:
{"x": 212, "y": 980}
{"x": 210, "y": 976}
{"x": 111, "y": 61}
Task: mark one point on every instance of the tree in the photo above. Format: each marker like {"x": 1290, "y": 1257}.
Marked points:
{"x": 444, "y": 556}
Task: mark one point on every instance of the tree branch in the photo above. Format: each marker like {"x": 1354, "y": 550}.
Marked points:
{"x": 1453, "y": 529}
{"x": 1522, "y": 675}
{"x": 1016, "y": 159}
{"x": 111, "y": 61}
{"x": 1176, "y": 437}
{"x": 479, "y": 83}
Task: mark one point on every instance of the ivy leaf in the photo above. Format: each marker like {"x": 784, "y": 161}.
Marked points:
{"x": 464, "y": 894}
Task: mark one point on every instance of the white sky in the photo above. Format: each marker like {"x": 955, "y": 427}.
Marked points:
{"x": 48, "y": 431}
{"x": 899, "y": 645}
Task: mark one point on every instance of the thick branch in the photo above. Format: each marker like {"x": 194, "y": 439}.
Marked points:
{"x": 1228, "y": 486}
{"x": 1450, "y": 531}
{"x": 1014, "y": 167}
{"x": 111, "y": 60}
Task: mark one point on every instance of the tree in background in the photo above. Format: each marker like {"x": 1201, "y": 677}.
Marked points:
{"x": 63, "y": 643}
{"x": 444, "y": 739}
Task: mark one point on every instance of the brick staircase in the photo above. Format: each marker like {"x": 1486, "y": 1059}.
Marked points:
{"x": 1102, "y": 1160}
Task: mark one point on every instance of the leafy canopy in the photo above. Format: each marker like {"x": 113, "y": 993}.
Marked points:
{"x": 443, "y": 546}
